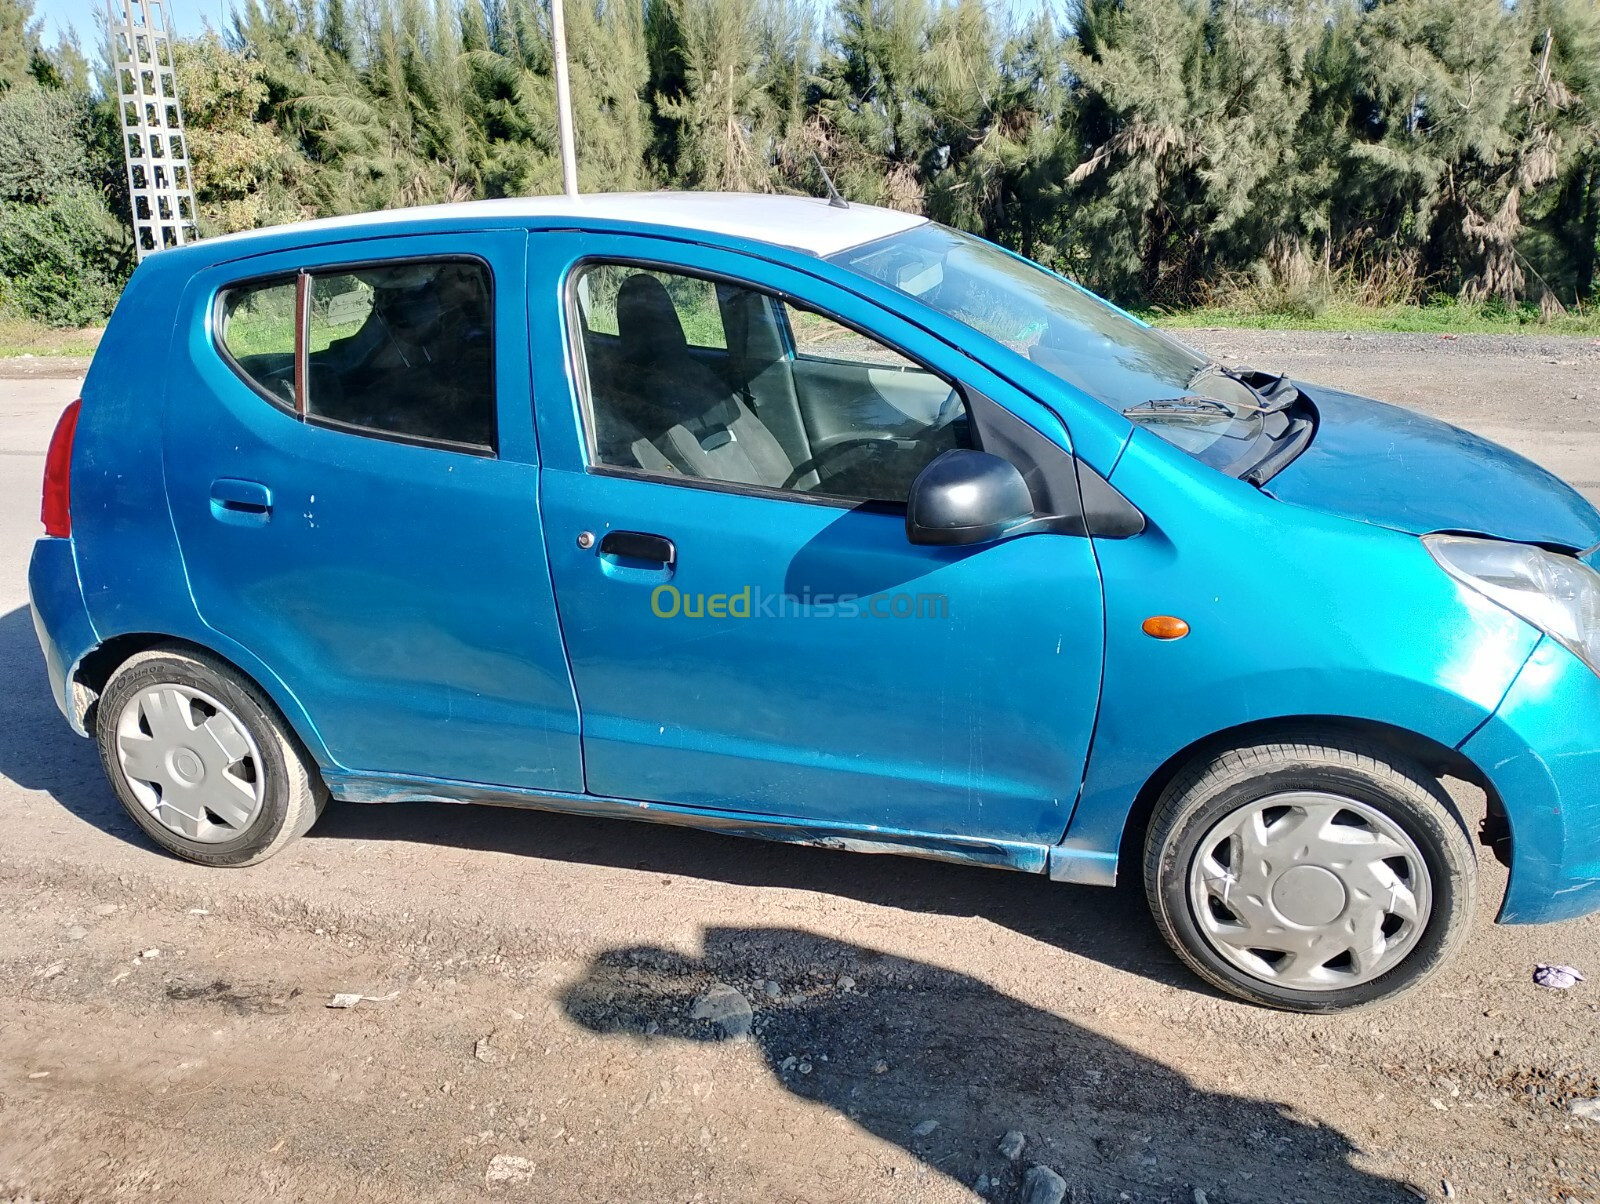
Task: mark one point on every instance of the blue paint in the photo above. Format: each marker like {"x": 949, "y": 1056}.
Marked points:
{"x": 1292, "y": 613}
{"x": 59, "y": 618}
{"x": 975, "y": 723}
{"x": 430, "y": 624}
{"x": 1539, "y": 753}
{"x": 1368, "y": 459}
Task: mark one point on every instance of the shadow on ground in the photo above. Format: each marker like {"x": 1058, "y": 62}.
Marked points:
{"x": 903, "y": 1043}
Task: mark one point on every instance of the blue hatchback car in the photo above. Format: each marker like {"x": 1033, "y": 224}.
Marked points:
{"x": 823, "y": 524}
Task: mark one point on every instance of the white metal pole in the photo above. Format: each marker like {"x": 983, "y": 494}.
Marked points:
{"x": 569, "y": 154}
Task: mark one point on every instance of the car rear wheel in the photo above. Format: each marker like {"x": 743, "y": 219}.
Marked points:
{"x": 1314, "y": 877}
{"x": 202, "y": 761}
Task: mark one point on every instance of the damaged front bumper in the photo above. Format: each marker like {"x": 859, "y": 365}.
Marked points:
{"x": 1540, "y": 751}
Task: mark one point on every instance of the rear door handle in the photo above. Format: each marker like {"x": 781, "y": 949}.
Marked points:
{"x": 639, "y": 545}
{"x": 243, "y": 503}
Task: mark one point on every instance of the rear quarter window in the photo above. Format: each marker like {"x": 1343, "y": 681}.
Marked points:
{"x": 257, "y": 334}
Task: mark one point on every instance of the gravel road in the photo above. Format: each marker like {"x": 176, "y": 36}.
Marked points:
{"x": 529, "y": 983}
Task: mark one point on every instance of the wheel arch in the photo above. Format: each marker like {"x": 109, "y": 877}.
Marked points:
{"x": 88, "y": 678}
{"x": 1439, "y": 760}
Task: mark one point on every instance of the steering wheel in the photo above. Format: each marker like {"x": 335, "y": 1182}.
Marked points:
{"x": 834, "y": 451}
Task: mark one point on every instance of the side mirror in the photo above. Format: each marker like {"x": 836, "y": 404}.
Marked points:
{"x": 967, "y": 497}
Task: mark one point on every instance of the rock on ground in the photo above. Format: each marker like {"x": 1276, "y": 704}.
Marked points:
{"x": 1041, "y": 1185}
{"x": 727, "y": 1008}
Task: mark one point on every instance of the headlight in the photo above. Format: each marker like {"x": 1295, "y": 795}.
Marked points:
{"x": 1557, "y": 594}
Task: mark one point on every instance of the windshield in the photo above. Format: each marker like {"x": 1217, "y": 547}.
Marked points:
{"x": 1072, "y": 334}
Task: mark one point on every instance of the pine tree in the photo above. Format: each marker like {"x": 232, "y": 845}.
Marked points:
{"x": 19, "y": 41}
{"x": 871, "y": 120}
{"x": 1563, "y": 220}
{"x": 726, "y": 119}
{"x": 1440, "y": 84}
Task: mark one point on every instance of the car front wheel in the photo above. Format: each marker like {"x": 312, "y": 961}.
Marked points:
{"x": 1311, "y": 876}
{"x": 202, "y": 761}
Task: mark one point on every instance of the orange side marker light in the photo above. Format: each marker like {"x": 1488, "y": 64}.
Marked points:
{"x": 1165, "y": 627}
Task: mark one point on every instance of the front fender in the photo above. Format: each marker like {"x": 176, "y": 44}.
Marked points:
{"x": 1292, "y": 613}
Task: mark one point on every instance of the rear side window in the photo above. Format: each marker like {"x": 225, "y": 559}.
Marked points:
{"x": 398, "y": 350}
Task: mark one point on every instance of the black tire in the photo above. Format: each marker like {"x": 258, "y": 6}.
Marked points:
{"x": 293, "y": 795}
{"x": 1213, "y": 787}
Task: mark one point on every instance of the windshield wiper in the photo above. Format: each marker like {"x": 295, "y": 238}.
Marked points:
{"x": 1282, "y": 397}
{"x": 1190, "y": 405}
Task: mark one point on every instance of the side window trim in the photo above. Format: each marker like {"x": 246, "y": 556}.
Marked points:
{"x": 574, "y": 323}
{"x": 302, "y": 278}
{"x": 302, "y": 341}
{"x": 1050, "y": 471}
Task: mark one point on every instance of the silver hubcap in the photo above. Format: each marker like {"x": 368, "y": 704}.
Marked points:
{"x": 1310, "y": 891}
{"x": 191, "y": 763}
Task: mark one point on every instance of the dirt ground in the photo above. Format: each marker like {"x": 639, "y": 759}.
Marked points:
{"x": 527, "y": 1024}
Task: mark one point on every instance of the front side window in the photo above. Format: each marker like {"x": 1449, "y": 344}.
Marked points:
{"x": 694, "y": 302}
{"x": 399, "y": 349}
{"x": 686, "y": 377}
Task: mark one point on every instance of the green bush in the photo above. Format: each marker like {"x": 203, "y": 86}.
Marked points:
{"x": 59, "y": 260}
{"x": 43, "y": 147}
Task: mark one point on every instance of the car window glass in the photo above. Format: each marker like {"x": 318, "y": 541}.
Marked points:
{"x": 799, "y": 402}
{"x": 404, "y": 348}
{"x": 820, "y": 337}
{"x": 257, "y": 329}
{"x": 694, "y": 300}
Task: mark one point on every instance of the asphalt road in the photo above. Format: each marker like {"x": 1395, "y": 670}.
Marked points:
{"x": 527, "y": 981}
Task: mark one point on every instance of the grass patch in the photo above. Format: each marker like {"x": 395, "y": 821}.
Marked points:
{"x": 1441, "y": 317}
{"x": 1376, "y": 291}
{"x": 18, "y": 336}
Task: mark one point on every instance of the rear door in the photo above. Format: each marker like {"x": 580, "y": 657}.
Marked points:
{"x": 351, "y": 467}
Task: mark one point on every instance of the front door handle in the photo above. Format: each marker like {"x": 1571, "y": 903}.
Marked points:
{"x": 242, "y": 503}
{"x": 639, "y": 545}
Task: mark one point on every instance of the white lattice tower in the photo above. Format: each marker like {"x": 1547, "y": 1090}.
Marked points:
{"x": 153, "y": 142}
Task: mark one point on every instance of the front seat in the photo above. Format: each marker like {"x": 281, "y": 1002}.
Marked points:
{"x": 680, "y": 410}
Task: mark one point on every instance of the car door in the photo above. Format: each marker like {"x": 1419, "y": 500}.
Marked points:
{"x": 741, "y": 638}
{"x": 350, "y": 462}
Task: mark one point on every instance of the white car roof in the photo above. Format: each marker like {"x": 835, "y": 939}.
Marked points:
{"x": 807, "y": 224}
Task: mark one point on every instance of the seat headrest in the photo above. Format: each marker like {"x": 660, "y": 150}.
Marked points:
{"x": 648, "y": 329}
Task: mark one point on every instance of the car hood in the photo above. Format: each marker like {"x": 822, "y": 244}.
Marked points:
{"x": 1382, "y": 464}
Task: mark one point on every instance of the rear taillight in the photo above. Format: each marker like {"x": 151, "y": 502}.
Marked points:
{"x": 57, "y": 507}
